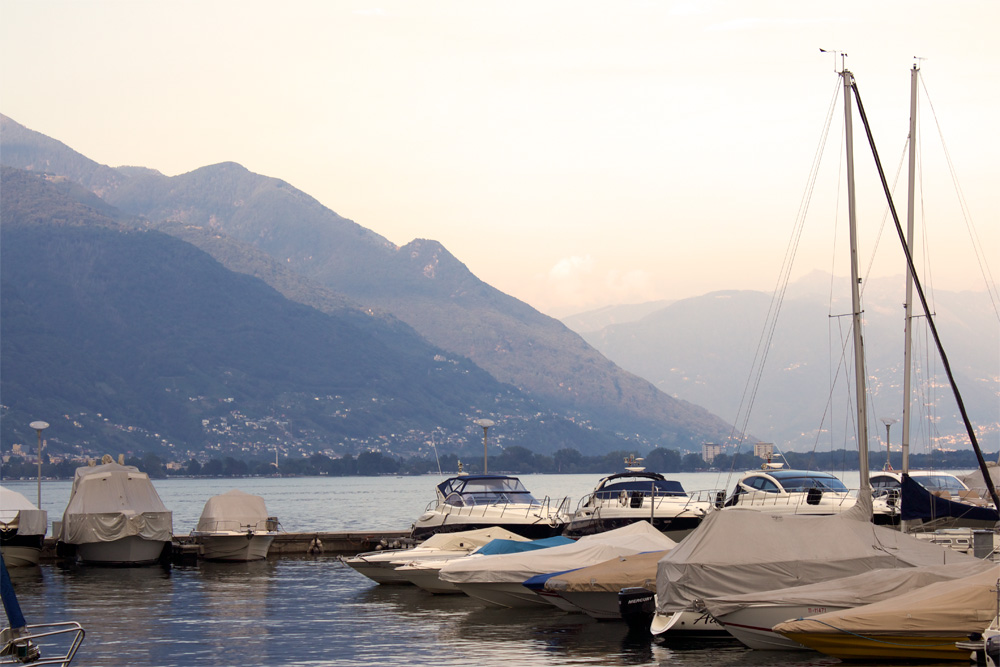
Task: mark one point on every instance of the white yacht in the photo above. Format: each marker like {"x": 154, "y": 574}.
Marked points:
{"x": 794, "y": 491}
{"x": 467, "y": 502}
{"x": 638, "y": 495}
{"x": 115, "y": 517}
{"x": 22, "y": 529}
{"x": 234, "y": 526}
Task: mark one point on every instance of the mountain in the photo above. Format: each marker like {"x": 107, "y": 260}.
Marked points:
{"x": 421, "y": 284}
{"x": 129, "y": 339}
{"x": 703, "y": 348}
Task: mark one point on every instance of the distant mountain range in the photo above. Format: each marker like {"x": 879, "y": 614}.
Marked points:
{"x": 223, "y": 309}
{"x": 703, "y": 348}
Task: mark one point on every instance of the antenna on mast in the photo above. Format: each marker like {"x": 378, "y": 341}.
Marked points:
{"x": 843, "y": 57}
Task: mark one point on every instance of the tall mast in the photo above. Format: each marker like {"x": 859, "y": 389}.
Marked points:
{"x": 908, "y": 304}
{"x": 859, "y": 356}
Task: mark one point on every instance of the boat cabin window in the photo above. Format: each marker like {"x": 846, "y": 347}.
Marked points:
{"x": 464, "y": 491}
{"x": 762, "y": 484}
{"x": 640, "y": 488}
{"x": 803, "y": 483}
{"x": 933, "y": 483}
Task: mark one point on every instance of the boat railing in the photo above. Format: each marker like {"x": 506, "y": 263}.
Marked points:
{"x": 811, "y": 497}
{"x": 546, "y": 508}
{"x": 637, "y": 499}
{"x": 28, "y": 647}
{"x": 270, "y": 525}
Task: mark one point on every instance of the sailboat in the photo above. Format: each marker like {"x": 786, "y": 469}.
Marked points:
{"x": 734, "y": 552}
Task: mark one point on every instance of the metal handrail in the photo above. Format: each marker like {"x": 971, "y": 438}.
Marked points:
{"x": 25, "y": 649}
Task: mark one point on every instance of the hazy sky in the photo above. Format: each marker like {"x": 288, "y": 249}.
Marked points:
{"x": 572, "y": 154}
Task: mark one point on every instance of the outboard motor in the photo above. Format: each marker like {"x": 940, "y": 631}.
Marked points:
{"x": 637, "y": 607}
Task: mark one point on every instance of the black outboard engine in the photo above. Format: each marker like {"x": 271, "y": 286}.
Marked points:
{"x": 637, "y": 607}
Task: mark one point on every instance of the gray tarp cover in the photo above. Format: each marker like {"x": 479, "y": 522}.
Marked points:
{"x": 861, "y": 589}
{"x": 961, "y": 606}
{"x": 16, "y": 511}
{"x": 736, "y": 551}
{"x": 233, "y": 510}
{"x": 111, "y": 501}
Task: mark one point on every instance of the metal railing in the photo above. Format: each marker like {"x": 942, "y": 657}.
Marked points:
{"x": 27, "y": 647}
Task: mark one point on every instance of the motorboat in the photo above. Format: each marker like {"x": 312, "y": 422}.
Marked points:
{"x": 467, "y": 502}
{"x": 424, "y": 573}
{"x": 115, "y": 517}
{"x": 924, "y": 501}
{"x": 638, "y": 495}
{"x": 750, "y": 617}
{"x": 594, "y": 589}
{"x": 381, "y": 566}
{"x": 926, "y": 624}
{"x": 234, "y": 526}
{"x": 22, "y": 529}
{"x": 499, "y": 579}
{"x": 738, "y": 551}
{"x": 792, "y": 491}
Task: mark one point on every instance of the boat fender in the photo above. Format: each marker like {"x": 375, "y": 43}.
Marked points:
{"x": 315, "y": 547}
{"x": 623, "y": 499}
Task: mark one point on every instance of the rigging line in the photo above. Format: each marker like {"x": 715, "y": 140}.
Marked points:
{"x": 984, "y": 267}
{"x": 770, "y": 321}
{"x": 923, "y": 302}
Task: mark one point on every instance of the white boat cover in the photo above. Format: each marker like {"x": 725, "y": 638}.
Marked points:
{"x": 468, "y": 539}
{"x": 233, "y": 510}
{"x": 518, "y": 567}
{"x": 736, "y": 551}
{"x": 112, "y": 501}
{"x": 856, "y": 591}
{"x": 636, "y": 571}
{"x": 18, "y": 512}
{"x": 958, "y": 607}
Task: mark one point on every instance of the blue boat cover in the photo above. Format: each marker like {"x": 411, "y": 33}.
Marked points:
{"x": 513, "y": 546}
{"x": 916, "y": 502}
{"x": 537, "y": 582}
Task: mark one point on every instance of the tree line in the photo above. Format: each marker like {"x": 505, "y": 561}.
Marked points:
{"x": 513, "y": 460}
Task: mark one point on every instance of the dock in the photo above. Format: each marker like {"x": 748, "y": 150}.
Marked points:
{"x": 338, "y": 543}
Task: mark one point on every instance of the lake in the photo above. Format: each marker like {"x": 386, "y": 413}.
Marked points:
{"x": 313, "y": 610}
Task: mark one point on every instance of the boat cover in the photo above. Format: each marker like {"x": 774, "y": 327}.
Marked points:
{"x": 861, "y": 589}
{"x": 589, "y": 550}
{"x": 233, "y": 510}
{"x": 735, "y": 551}
{"x": 634, "y": 571}
{"x": 19, "y": 513}
{"x": 510, "y": 546}
{"x": 469, "y": 539}
{"x": 112, "y": 501}
{"x": 916, "y": 502}
{"x": 976, "y": 482}
{"x": 957, "y": 607}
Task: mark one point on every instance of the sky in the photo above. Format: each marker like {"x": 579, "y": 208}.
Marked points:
{"x": 574, "y": 154}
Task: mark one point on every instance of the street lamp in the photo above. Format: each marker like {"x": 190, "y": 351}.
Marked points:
{"x": 888, "y": 421}
{"x": 39, "y": 426}
{"x": 485, "y": 423}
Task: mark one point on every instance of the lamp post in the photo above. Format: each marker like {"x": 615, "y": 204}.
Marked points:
{"x": 39, "y": 426}
{"x": 888, "y": 421}
{"x": 485, "y": 423}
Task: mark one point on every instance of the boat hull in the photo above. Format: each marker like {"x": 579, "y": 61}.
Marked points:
{"x": 21, "y": 550}
{"x": 237, "y": 548}
{"x": 455, "y": 523}
{"x": 510, "y": 595}
{"x": 752, "y": 626}
{"x": 426, "y": 577}
{"x": 131, "y": 550}
{"x": 593, "y": 522}
{"x": 889, "y": 646}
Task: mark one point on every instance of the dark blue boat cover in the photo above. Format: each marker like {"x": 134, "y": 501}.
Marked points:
{"x": 916, "y": 502}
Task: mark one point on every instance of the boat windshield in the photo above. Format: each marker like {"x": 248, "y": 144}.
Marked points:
{"x": 802, "y": 483}
{"x": 485, "y": 491}
{"x": 641, "y": 487}
{"x": 933, "y": 483}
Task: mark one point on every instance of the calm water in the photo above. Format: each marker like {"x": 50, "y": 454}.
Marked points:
{"x": 315, "y": 611}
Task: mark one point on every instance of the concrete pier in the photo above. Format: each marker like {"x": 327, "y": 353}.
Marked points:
{"x": 338, "y": 543}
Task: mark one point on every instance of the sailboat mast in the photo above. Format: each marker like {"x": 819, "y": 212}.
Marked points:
{"x": 859, "y": 357}
{"x": 908, "y": 304}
